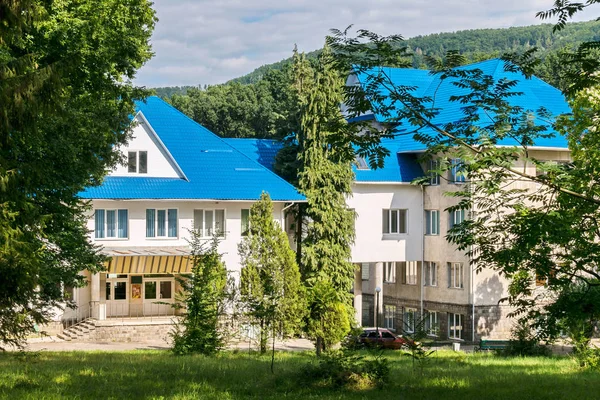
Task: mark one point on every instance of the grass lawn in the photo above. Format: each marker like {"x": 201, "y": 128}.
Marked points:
{"x": 159, "y": 374}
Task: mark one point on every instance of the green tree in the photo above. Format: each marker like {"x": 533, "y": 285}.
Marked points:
{"x": 270, "y": 280}
{"x": 66, "y": 93}
{"x": 204, "y": 299}
{"x": 326, "y": 180}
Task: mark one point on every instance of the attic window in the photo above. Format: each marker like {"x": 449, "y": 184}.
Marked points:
{"x": 360, "y": 163}
{"x": 137, "y": 162}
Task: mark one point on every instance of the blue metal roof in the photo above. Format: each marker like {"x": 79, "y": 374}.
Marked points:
{"x": 535, "y": 94}
{"x": 263, "y": 151}
{"x": 214, "y": 169}
{"x": 397, "y": 167}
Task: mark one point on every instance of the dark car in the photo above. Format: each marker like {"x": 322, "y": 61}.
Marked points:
{"x": 384, "y": 338}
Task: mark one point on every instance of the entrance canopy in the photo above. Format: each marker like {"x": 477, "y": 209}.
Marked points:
{"x": 148, "y": 260}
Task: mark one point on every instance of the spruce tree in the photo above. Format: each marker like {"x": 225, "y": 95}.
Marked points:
{"x": 204, "y": 298}
{"x": 326, "y": 181}
{"x": 270, "y": 285}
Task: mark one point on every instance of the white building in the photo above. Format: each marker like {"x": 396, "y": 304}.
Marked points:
{"x": 178, "y": 176}
{"x": 400, "y": 242}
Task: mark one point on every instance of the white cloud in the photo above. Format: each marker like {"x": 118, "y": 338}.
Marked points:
{"x": 212, "y": 41}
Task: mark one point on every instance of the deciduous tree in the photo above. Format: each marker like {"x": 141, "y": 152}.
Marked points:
{"x": 66, "y": 94}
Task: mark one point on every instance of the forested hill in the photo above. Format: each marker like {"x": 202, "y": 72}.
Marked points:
{"x": 262, "y": 105}
{"x": 477, "y": 44}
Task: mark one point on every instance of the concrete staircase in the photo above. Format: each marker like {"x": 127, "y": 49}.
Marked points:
{"x": 81, "y": 331}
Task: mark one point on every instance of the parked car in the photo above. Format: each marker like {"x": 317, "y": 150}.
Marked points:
{"x": 373, "y": 337}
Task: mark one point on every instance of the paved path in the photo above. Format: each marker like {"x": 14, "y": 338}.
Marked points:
{"x": 55, "y": 344}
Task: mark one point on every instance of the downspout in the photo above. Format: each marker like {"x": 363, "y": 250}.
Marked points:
{"x": 422, "y": 247}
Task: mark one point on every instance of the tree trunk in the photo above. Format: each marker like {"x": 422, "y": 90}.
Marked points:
{"x": 263, "y": 337}
{"x": 299, "y": 217}
{"x": 319, "y": 346}
{"x": 273, "y": 352}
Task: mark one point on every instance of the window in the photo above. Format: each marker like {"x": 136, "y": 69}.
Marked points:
{"x": 166, "y": 289}
{"x": 389, "y": 317}
{"x": 432, "y": 323}
{"x": 434, "y": 177}
{"x": 456, "y": 217}
{"x": 210, "y": 222}
{"x": 245, "y": 221}
{"x": 360, "y": 163}
{"x": 430, "y": 268}
{"x": 364, "y": 268}
{"x": 389, "y": 272}
{"x": 457, "y": 174}
{"x": 455, "y": 275}
{"x": 455, "y": 326}
{"x": 137, "y": 162}
{"x": 110, "y": 224}
{"x": 409, "y": 319}
{"x": 432, "y": 222}
{"x": 394, "y": 221}
{"x": 161, "y": 223}
{"x": 150, "y": 290}
{"x": 409, "y": 275}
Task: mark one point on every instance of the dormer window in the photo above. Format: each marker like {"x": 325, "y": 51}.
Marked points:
{"x": 137, "y": 162}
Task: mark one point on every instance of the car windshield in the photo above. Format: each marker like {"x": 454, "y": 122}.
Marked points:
{"x": 388, "y": 335}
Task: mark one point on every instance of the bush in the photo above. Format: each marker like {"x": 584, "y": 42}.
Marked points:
{"x": 525, "y": 343}
{"x": 348, "y": 369}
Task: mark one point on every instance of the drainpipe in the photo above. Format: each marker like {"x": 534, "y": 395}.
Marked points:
{"x": 422, "y": 246}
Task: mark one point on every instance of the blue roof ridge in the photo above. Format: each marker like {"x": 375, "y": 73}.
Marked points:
{"x": 229, "y": 145}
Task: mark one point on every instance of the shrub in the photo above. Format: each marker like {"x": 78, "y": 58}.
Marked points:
{"x": 525, "y": 343}
{"x": 348, "y": 369}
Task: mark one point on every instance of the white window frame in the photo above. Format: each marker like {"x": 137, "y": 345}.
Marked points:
{"x": 455, "y": 326}
{"x": 456, "y": 175}
{"x": 432, "y": 225}
{"x": 389, "y": 316}
{"x": 117, "y": 226}
{"x": 410, "y": 273}
{"x": 431, "y": 272}
{"x": 455, "y": 275}
{"x": 434, "y": 177}
{"x": 432, "y": 323}
{"x": 409, "y": 320}
{"x": 389, "y": 272}
{"x": 203, "y": 228}
{"x": 137, "y": 162}
{"x": 456, "y": 217}
{"x": 402, "y": 229}
{"x": 166, "y": 210}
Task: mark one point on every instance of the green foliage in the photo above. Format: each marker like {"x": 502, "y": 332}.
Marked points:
{"x": 525, "y": 343}
{"x": 329, "y": 319}
{"x": 325, "y": 178}
{"x": 270, "y": 286}
{"x": 66, "y": 94}
{"x": 414, "y": 347}
{"x": 203, "y": 298}
{"x": 350, "y": 369}
{"x": 262, "y": 110}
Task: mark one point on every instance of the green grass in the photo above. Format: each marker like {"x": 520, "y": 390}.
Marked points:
{"x": 159, "y": 374}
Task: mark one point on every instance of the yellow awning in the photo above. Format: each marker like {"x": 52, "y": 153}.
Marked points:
{"x": 148, "y": 264}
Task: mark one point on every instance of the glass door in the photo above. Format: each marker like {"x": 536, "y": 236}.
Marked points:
{"x": 117, "y": 301}
{"x": 158, "y": 296}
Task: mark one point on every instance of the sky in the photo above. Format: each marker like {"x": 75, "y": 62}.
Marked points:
{"x": 212, "y": 41}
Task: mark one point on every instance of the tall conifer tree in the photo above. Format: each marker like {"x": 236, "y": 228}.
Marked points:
{"x": 326, "y": 180}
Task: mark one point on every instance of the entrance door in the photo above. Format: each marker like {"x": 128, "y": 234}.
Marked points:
{"x": 157, "y": 291}
{"x": 117, "y": 302}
